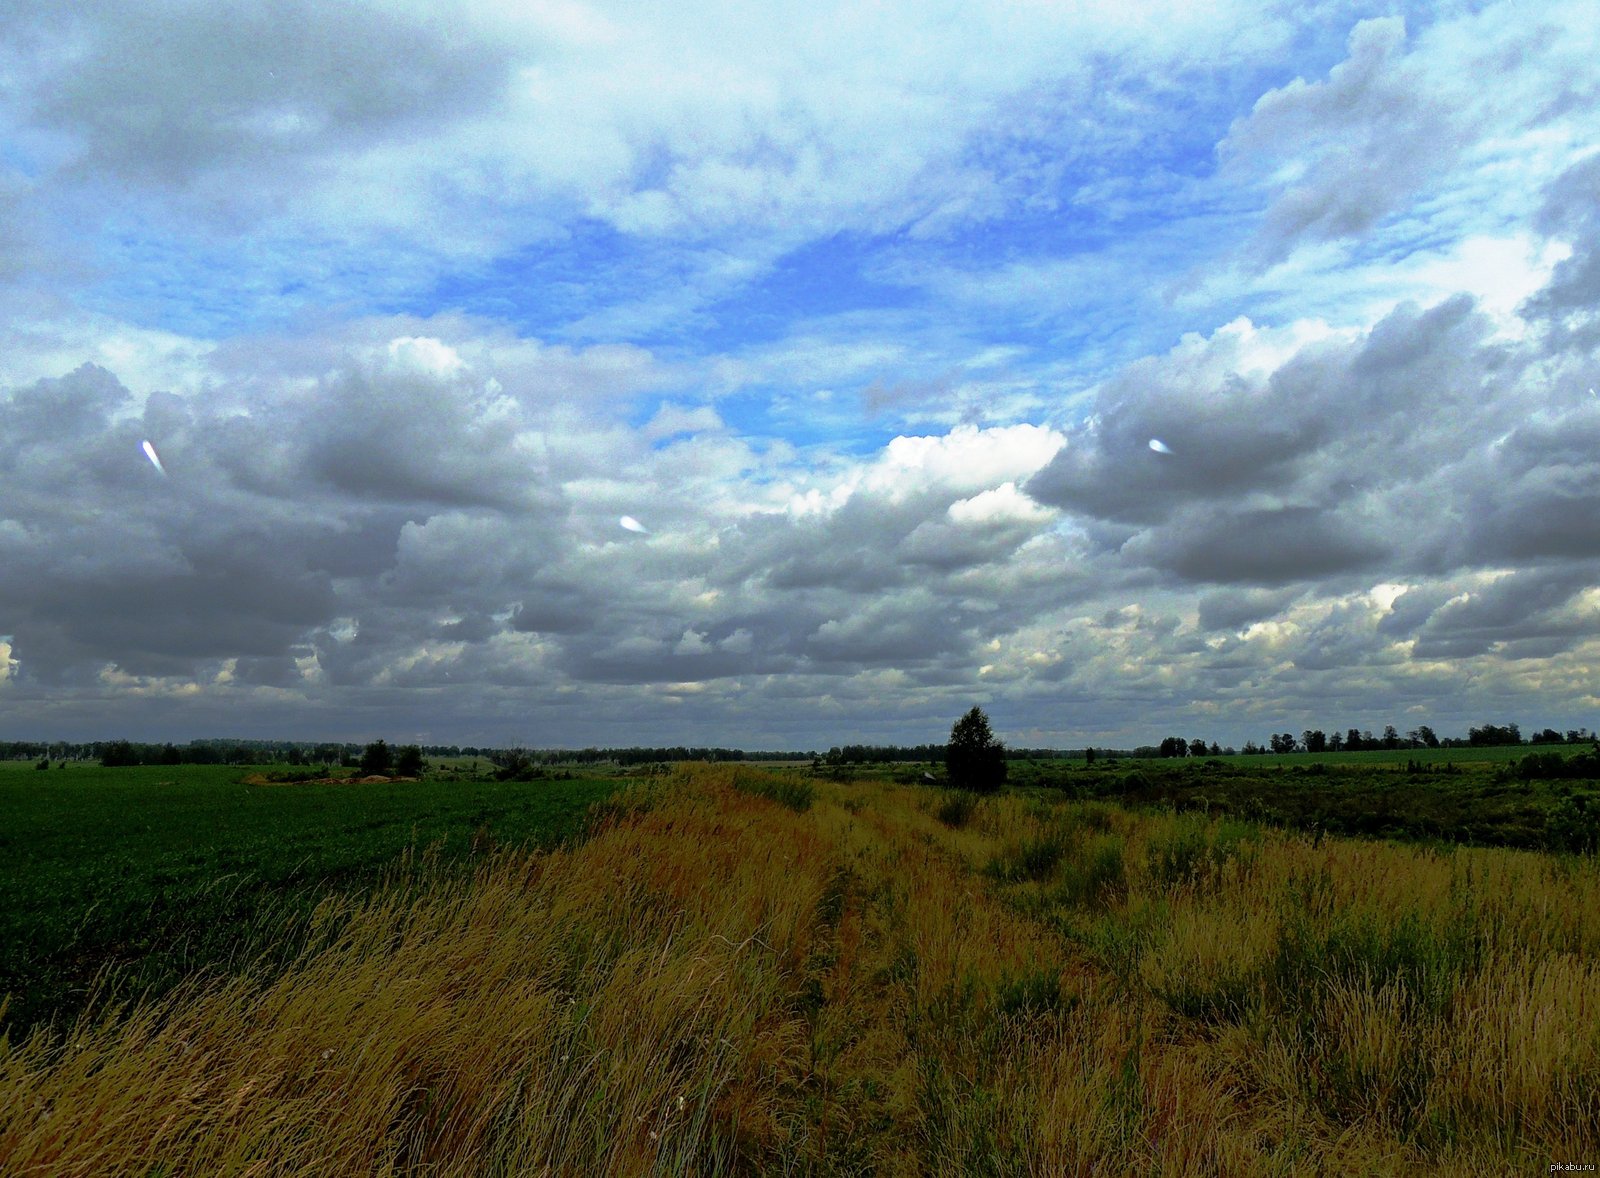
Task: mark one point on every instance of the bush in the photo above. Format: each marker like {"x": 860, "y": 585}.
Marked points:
{"x": 1033, "y": 993}
{"x": 1573, "y": 825}
{"x": 1095, "y": 815}
{"x": 1553, "y": 766}
{"x": 118, "y": 753}
{"x": 786, "y": 791}
{"x": 516, "y": 765}
{"x": 375, "y": 759}
{"x": 1096, "y": 876}
{"x": 1030, "y": 859}
{"x": 408, "y": 761}
{"x": 1190, "y": 850}
{"x": 956, "y": 809}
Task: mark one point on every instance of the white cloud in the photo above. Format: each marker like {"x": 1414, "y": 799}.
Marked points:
{"x": 1404, "y": 121}
{"x": 423, "y": 355}
{"x": 999, "y": 504}
{"x": 967, "y": 458}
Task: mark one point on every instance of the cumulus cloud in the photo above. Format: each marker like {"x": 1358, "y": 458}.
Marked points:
{"x": 1532, "y": 613}
{"x": 269, "y": 517}
{"x": 1297, "y": 469}
{"x": 380, "y": 527}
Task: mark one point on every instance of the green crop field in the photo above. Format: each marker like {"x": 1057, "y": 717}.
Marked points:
{"x": 155, "y": 871}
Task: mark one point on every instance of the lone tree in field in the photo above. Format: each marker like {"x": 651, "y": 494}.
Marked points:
{"x": 375, "y": 759}
{"x": 975, "y": 759}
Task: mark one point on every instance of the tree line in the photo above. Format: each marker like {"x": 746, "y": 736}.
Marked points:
{"x": 350, "y": 755}
{"x": 1315, "y": 740}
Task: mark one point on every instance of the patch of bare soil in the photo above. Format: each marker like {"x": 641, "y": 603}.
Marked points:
{"x": 374, "y": 779}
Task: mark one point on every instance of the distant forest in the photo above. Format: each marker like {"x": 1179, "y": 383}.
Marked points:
{"x": 247, "y": 752}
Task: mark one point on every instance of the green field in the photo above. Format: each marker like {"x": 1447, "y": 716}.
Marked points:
{"x": 129, "y": 879}
{"x": 1480, "y": 755}
{"x": 1471, "y": 796}
{"x": 152, "y": 872}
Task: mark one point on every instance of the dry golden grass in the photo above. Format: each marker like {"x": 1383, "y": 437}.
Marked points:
{"x": 715, "y": 982}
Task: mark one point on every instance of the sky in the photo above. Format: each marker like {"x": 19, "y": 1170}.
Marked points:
{"x": 1126, "y": 370}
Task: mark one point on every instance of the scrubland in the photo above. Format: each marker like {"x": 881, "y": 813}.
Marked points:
{"x": 747, "y": 972}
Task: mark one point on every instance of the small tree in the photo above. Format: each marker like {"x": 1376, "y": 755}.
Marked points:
{"x": 375, "y": 758}
{"x": 118, "y": 753}
{"x": 973, "y": 757}
{"x": 408, "y": 761}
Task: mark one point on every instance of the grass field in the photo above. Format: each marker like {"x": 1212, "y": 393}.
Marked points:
{"x": 750, "y": 972}
{"x": 1482, "y": 755}
{"x": 157, "y": 871}
{"x": 1420, "y": 795}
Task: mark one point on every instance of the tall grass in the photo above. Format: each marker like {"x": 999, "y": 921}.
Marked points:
{"x": 728, "y": 977}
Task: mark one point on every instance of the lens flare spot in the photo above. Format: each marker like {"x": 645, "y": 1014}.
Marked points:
{"x": 629, "y": 524}
{"x": 150, "y": 453}
{"x": 1159, "y": 446}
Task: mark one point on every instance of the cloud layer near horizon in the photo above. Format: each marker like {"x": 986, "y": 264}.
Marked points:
{"x": 871, "y": 329}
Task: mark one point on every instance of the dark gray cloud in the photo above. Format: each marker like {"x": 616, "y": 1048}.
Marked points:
{"x": 883, "y": 580}
{"x": 1571, "y": 213}
{"x": 1220, "y": 442}
{"x": 411, "y": 438}
{"x": 162, "y": 92}
{"x": 555, "y": 609}
{"x": 1233, "y": 609}
{"x": 1349, "y": 456}
{"x": 1272, "y": 546}
{"x": 391, "y": 523}
{"x": 1537, "y": 494}
{"x": 248, "y": 544}
{"x": 1529, "y": 614}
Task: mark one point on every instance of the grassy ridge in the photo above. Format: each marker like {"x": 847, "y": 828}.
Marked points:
{"x": 732, "y": 977}
{"x": 157, "y": 871}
